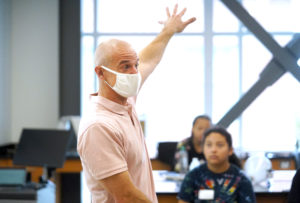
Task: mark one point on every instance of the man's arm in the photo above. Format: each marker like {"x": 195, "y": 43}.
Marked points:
{"x": 122, "y": 189}
{"x": 151, "y": 55}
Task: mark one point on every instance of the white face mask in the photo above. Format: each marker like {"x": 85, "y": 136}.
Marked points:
{"x": 127, "y": 85}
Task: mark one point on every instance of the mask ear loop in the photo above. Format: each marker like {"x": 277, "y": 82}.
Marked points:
{"x": 108, "y": 84}
{"x": 115, "y": 72}
{"x": 111, "y": 71}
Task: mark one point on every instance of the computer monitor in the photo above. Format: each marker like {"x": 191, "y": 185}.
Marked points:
{"x": 70, "y": 123}
{"x": 42, "y": 147}
{"x": 12, "y": 177}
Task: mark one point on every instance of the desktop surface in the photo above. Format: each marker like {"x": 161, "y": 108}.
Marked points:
{"x": 17, "y": 193}
{"x": 167, "y": 182}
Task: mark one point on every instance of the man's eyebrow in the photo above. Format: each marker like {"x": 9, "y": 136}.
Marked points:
{"x": 124, "y": 61}
{"x": 127, "y": 61}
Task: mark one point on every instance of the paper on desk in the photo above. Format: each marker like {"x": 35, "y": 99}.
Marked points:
{"x": 281, "y": 180}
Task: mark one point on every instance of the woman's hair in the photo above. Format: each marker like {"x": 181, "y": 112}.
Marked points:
{"x": 201, "y": 116}
{"x": 217, "y": 129}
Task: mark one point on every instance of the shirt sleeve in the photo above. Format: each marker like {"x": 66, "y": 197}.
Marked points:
{"x": 245, "y": 192}
{"x": 187, "y": 189}
{"x": 103, "y": 151}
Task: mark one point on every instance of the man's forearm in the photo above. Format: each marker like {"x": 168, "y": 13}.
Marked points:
{"x": 123, "y": 190}
{"x": 151, "y": 55}
{"x": 135, "y": 196}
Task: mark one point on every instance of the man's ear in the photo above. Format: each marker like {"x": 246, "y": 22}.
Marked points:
{"x": 99, "y": 72}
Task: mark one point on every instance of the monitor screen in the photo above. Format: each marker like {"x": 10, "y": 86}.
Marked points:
{"x": 42, "y": 147}
{"x": 12, "y": 177}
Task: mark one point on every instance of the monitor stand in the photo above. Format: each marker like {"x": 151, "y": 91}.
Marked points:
{"x": 47, "y": 174}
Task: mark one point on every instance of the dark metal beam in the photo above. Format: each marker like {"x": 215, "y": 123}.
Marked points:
{"x": 286, "y": 59}
{"x": 268, "y": 76}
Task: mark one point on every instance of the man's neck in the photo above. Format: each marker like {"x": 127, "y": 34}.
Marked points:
{"x": 113, "y": 96}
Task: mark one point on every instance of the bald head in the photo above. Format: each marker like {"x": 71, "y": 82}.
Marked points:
{"x": 111, "y": 50}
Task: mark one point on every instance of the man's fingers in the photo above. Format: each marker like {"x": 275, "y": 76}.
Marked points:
{"x": 168, "y": 12}
{"x": 182, "y": 12}
{"x": 175, "y": 10}
{"x": 175, "y": 16}
{"x": 189, "y": 21}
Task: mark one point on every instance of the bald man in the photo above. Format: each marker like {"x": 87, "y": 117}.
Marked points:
{"x": 110, "y": 141}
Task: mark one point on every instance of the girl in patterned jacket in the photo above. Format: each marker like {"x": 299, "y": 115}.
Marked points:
{"x": 216, "y": 181}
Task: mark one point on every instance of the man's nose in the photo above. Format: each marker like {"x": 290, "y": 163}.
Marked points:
{"x": 133, "y": 69}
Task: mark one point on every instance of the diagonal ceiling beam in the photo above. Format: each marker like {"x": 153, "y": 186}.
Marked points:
{"x": 285, "y": 59}
{"x": 272, "y": 72}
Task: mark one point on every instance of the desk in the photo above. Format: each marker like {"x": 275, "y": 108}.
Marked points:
{"x": 167, "y": 190}
{"x": 17, "y": 195}
{"x": 73, "y": 166}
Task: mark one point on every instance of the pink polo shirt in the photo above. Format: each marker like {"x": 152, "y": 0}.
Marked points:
{"x": 110, "y": 141}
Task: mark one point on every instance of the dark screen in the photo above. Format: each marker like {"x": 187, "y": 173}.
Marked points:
{"x": 42, "y": 147}
{"x": 12, "y": 176}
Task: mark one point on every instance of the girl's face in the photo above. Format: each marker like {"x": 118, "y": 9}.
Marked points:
{"x": 200, "y": 126}
{"x": 216, "y": 149}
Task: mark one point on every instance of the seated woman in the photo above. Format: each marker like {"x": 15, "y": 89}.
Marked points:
{"x": 217, "y": 180}
{"x": 193, "y": 144}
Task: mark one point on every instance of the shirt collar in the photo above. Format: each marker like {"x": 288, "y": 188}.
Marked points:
{"x": 111, "y": 105}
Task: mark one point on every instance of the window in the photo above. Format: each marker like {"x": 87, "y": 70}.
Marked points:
{"x": 205, "y": 69}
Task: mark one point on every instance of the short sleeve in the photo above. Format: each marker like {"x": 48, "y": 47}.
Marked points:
{"x": 245, "y": 192}
{"x": 102, "y": 151}
{"x": 187, "y": 189}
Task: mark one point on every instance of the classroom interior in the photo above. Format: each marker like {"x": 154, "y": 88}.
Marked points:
{"x": 45, "y": 56}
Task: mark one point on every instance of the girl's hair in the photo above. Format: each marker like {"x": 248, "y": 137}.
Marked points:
{"x": 217, "y": 129}
{"x": 220, "y": 130}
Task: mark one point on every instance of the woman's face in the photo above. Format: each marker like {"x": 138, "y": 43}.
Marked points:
{"x": 198, "y": 129}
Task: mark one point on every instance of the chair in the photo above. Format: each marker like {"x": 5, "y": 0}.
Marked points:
{"x": 166, "y": 152}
